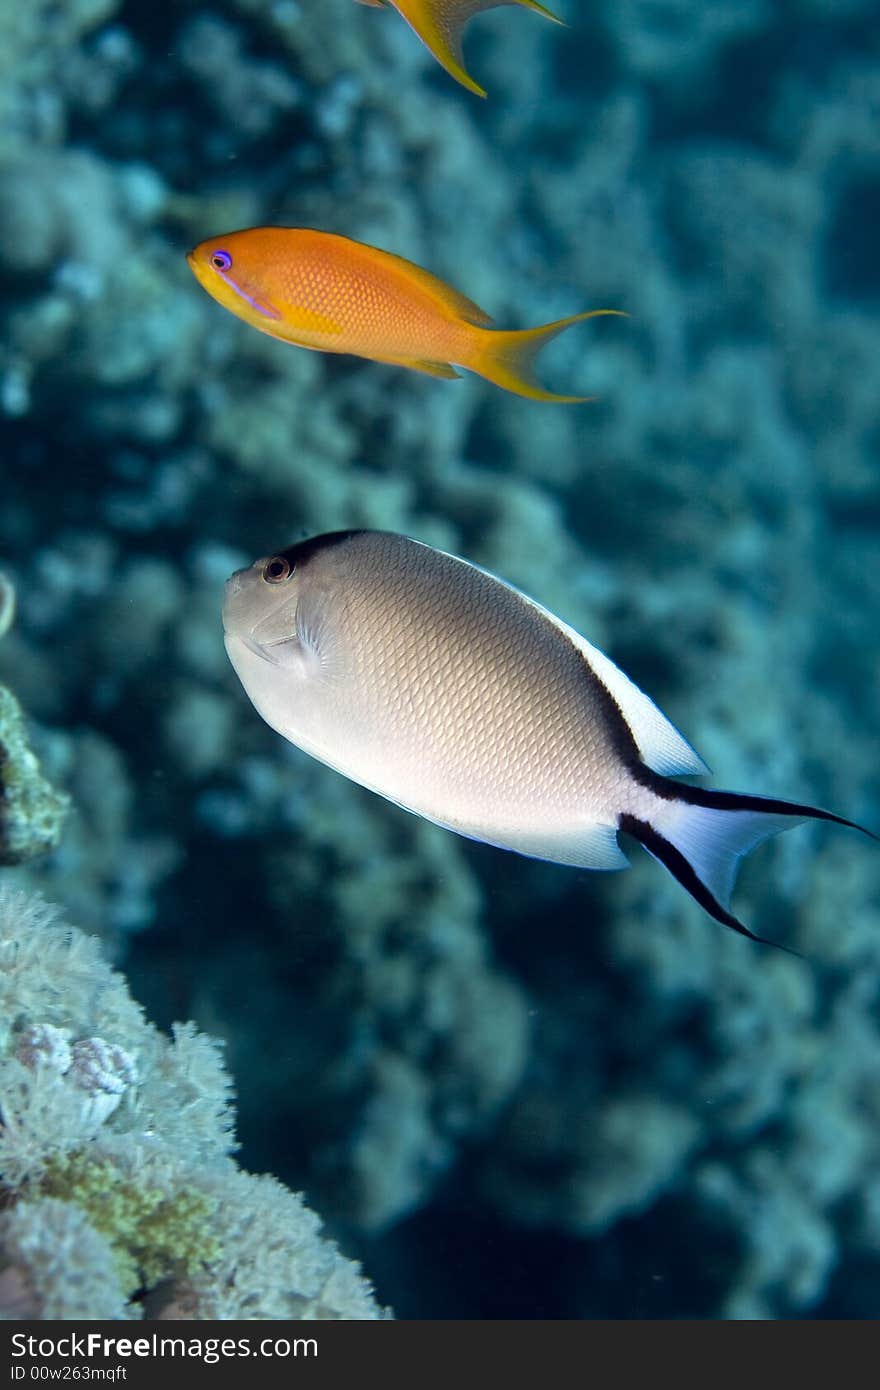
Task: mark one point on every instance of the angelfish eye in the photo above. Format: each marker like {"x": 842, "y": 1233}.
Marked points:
{"x": 276, "y": 570}
{"x": 221, "y": 260}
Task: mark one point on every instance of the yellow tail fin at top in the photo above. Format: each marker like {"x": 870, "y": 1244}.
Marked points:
{"x": 506, "y": 358}
{"x": 540, "y": 9}
{"x": 440, "y": 29}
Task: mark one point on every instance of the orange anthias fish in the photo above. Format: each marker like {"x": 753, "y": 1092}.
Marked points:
{"x": 439, "y": 25}
{"x": 329, "y": 293}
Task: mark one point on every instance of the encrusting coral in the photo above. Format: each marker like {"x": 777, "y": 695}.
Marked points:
{"x": 32, "y": 812}
{"x": 120, "y": 1198}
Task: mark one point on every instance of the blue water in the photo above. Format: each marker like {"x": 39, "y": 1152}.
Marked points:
{"x": 510, "y": 1089}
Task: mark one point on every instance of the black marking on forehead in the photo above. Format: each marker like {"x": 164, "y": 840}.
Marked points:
{"x": 300, "y": 554}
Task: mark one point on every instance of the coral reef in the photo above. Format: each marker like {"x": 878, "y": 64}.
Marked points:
{"x": 447, "y": 1047}
{"x": 32, "y": 812}
{"x": 119, "y": 1193}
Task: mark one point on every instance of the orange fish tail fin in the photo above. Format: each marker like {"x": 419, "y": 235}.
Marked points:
{"x": 507, "y": 358}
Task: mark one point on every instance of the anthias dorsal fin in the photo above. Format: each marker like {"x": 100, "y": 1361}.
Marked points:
{"x": 444, "y": 296}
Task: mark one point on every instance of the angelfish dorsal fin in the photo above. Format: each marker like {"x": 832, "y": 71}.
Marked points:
{"x": 660, "y": 744}
{"x": 662, "y": 747}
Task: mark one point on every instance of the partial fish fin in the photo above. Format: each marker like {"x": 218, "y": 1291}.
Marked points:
{"x": 437, "y": 290}
{"x": 586, "y": 847}
{"x": 660, "y": 744}
{"x": 539, "y": 9}
{"x": 583, "y": 847}
{"x": 440, "y": 26}
{"x": 421, "y": 364}
{"x": 317, "y": 638}
{"x": 701, "y": 836}
{"x": 506, "y": 357}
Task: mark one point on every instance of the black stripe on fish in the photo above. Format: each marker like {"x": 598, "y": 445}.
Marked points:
{"x": 671, "y": 790}
{"x": 299, "y": 554}
{"x": 681, "y": 869}
{"x": 621, "y": 735}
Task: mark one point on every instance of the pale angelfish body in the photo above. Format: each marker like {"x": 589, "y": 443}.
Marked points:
{"x": 452, "y": 694}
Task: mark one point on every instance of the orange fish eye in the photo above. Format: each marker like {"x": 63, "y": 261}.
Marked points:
{"x": 221, "y": 260}
{"x": 276, "y": 570}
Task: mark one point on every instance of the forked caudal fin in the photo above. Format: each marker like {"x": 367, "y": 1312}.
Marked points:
{"x": 440, "y": 26}
{"x": 701, "y": 835}
{"x": 506, "y": 357}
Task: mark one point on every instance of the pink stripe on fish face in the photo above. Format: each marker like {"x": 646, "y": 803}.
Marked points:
{"x": 262, "y": 308}
{"x": 220, "y": 262}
